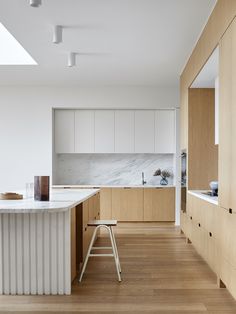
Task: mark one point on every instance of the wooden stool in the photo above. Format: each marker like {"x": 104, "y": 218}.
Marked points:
{"x": 107, "y": 224}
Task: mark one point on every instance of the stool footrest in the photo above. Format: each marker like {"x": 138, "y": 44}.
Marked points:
{"x": 92, "y": 255}
{"x": 102, "y": 248}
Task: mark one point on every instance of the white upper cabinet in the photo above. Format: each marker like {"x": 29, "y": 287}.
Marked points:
{"x": 124, "y": 131}
{"x": 84, "y": 131}
{"x": 114, "y": 131}
{"x": 64, "y": 131}
{"x": 144, "y": 131}
{"x": 104, "y": 131}
{"x": 165, "y": 131}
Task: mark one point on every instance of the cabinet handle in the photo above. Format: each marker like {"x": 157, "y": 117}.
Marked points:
{"x": 210, "y": 234}
{"x": 199, "y": 225}
{"x": 126, "y": 187}
{"x": 230, "y": 211}
{"x": 191, "y": 218}
{"x": 85, "y": 229}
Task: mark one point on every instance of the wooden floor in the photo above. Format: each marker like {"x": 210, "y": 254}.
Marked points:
{"x": 161, "y": 274}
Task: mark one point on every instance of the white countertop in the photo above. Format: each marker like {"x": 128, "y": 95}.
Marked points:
{"x": 110, "y": 186}
{"x": 60, "y": 200}
{"x": 208, "y": 198}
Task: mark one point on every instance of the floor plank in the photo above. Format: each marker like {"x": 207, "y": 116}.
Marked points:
{"x": 160, "y": 272}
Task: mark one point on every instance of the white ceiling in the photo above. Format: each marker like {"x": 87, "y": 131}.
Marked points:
{"x": 133, "y": 42}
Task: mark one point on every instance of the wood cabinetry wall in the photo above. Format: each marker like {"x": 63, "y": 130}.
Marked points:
{"x": 211, "y": 229}
{"x": 202, "y": 151}
{"x": 219, "y": 252}
{"x": 220, "y": 19}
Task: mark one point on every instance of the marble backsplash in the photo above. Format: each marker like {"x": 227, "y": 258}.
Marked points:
{"x": 110, "y": 169}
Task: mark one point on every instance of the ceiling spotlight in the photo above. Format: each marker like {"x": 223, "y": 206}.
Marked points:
{"x": 57, "y": 34}
{"x": 71, "y": 59}
{"x": 35, "y": 3}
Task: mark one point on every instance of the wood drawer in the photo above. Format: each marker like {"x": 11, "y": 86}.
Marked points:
{"x": 227, "y": 235}
{"x": 212, "y": 252}
{"x": 199, "y": 239}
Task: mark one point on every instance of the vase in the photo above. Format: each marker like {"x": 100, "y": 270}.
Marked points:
{"x": 163, "y": 181}
{"x": 41, "y": 188}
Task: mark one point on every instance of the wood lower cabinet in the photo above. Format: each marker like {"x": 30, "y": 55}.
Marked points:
{"x": 212, "y": 231}
{"x": 106, "y": 203}
{"x": 159, "y": 204}
{"x": 227, "y": 235}
{"x": 202, "y": 228}
{"x": 127, "y": 204}
{"x": 138, "y": 204}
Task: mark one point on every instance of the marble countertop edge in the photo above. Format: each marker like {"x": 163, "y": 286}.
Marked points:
{"x": 60, "y": 201}
{"x": 208, "y": 198}
{"x": 77, "y": 186}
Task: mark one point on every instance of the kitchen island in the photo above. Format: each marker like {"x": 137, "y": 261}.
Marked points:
{"x": 38, "y": 242}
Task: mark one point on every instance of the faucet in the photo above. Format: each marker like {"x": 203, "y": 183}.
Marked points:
{"x": 143, "y": 181}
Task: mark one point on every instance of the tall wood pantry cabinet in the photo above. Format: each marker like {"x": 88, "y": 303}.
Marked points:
{"x": 227, "y": 118}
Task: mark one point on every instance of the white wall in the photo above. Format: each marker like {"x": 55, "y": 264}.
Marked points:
{"x": 26, "y": 122}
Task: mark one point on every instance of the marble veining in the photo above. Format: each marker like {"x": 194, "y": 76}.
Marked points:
{"x": 110, "y": 169}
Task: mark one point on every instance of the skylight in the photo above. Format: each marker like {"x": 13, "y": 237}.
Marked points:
{"x": 11, "y": 52}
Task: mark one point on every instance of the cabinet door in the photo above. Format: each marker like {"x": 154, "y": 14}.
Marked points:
{"x": 165, "y": 131}
{"x": 64, "y": 131}
{"x": 124, "y": 131}
{"x": 104, "y": 131}
{"x": 227, "y": 116}
{"x": 159, "y": 204}
{"x": 105, "y": 203}
{"x": 144, "y": 131}
{"x": 84, "y": 131}
{"x": 127, "y": 204}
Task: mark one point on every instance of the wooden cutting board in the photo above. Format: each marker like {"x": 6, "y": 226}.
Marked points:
{"x": 10, "y": 196}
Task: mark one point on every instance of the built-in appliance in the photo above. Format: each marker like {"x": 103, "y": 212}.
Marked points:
{"x": 183, "y": 180}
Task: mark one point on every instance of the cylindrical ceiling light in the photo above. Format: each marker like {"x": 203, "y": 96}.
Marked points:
{"x": 71, "y": 59}
{"x": 57, "y": 34}
{"x": 35, "y": 3}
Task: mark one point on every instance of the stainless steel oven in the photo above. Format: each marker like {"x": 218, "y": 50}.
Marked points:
{"x": 183, "y": 180}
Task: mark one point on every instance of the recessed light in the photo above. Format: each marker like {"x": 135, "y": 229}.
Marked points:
{"x": 11, "y": 52}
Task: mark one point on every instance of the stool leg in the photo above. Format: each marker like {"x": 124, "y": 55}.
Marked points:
{"x": 88, "y": 253}
{"x": 114, "y": 253}
{"x": 117, "y": 255}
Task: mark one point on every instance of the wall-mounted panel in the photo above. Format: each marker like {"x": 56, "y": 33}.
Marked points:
{"x": 84, "y": 131}
{"x": 64, "y": 131}
{"x": 104, "y": 131}
{"x": 124, "y": 131}
{"x": 165, "y": 131}
{"x": 144, "y": 131}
